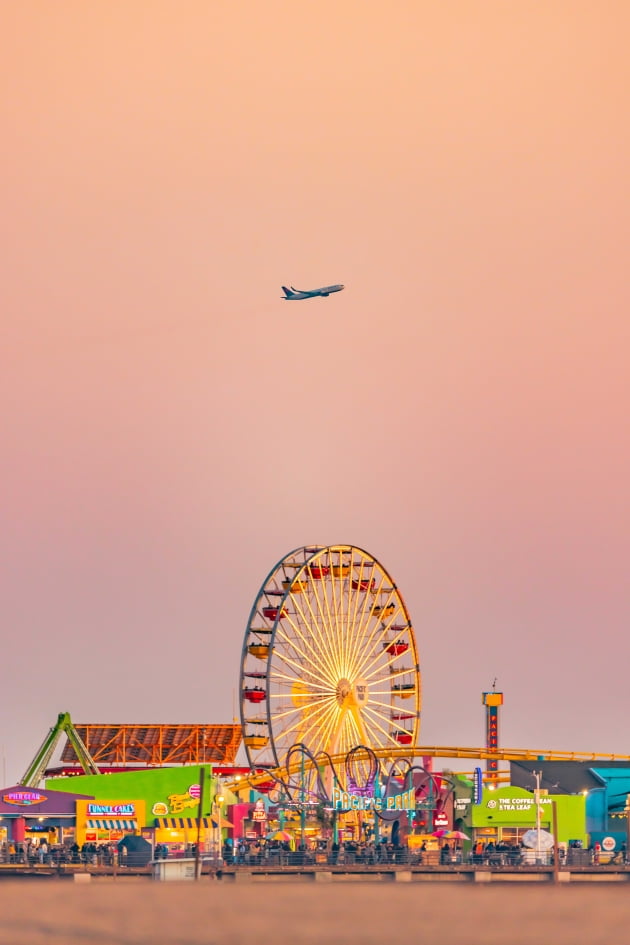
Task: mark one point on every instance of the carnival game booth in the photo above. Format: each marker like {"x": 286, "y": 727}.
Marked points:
{"x": 38, "y": 815}
{"x": 160, "y": 804}
{"x": 504, "y": 816}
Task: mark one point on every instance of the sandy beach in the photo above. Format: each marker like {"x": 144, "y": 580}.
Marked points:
{"x": 145, "y": 913}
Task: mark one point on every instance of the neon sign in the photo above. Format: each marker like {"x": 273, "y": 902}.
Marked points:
{"x": 492, "y": 735}
{"x": 343, "y": 801}
{"x": 24, "y": 798}
{"x": 112, "y": 810}
{"x": 477, "y": 786}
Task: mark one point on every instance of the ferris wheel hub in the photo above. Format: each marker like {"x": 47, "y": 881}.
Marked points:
{"x": 344, "y": 688}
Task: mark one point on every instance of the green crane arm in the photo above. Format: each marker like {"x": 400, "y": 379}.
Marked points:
{"x": 35, "y": 771}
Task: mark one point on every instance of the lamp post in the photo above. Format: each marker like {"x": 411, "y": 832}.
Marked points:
{"x": 302, "y": 808}
{"x": 202, "y": 787}
{"x": 217, "y": 804}
{"x": 537, "y": 775}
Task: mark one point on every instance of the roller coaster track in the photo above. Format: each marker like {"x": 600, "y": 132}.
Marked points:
{"x": 425, "y": 751}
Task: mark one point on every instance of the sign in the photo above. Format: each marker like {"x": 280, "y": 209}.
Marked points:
{"x": 517, "y": 803}
{"x": 361, "y": 691}
{"x": 477, "y": 786}
{"x": 24, "y": 798}
{"x": 608, "y": 844}
{"x": 343, "y": 801}
{"x": 440, "y": 820}
{"x": 181, "y": 802}
{"x": 492, "y": 736}
{"x": 259, "y": 812}
{"x": 195, "y": 791}
{"x": 111, "y": 810}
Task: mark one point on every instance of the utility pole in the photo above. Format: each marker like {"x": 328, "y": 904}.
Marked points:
{"x": 556, "y": 845}
{"x": 537, "y": 775}
{"x": 202, "y": 785}
{"x": 302, "y": 806}
{"x": 377, "y": 794}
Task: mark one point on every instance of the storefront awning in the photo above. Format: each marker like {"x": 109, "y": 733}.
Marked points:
{"x": 112, "y": 823}
{"x": 188, "y": 823}
{"x": 181, "y": 823}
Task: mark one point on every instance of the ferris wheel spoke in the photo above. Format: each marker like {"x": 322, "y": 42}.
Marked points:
{"x": 314, "y": 710}
{"x": 388, "y": 737}
{"x": 374, "y": 652}
{"x": 359, "y": 736}
{"x": 348, "y": 598}
{"x": 337, "y": 583}
{"x": 323, "y": 643}
{"x": 311, "y": 626}
{"x": 319, "y": 652}
{"x": 355, "y": 603}
{"x": 324, "y": 624}
{"x": 376, "y": 634}
{"x": 363, "y": 631}
{"x": 319, "y": 660}
{"x": 315, "y": 721}
{"x": 300, "y": 670}
{"x": 337, "y": 736}
{"x": 281, "y": 679}
{"x": 403, "y": 671}
{"x": 326, "y": 732}
{"x": 299, "y": 731}
{"x": 332, "y": 616}
{"x": 276, "y": 716}
{"x": 383, "y": 705}
{"x": 361, "y": 623}
{"x": 342, "y": 590}
{"x": 386, "y": 719}
{"x": 388, "y": 666}
{"x": 312, "y": 702}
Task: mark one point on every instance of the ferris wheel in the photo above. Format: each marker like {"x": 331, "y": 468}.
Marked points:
{"x": 329, "y": 658}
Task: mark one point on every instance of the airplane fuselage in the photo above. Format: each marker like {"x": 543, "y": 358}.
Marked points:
{"x": 292, "y": 295}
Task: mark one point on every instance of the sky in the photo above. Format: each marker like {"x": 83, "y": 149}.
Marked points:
{"x": 170, "y": 428}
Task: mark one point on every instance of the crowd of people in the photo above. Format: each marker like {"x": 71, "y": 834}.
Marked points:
{"x": 281, "y": 852}
{"x": 31, "y": 852}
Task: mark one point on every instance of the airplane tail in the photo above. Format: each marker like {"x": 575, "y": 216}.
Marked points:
{"x": 287, "y": 292}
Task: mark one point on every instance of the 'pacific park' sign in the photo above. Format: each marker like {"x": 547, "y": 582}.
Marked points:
{"x": 344, "y": 801}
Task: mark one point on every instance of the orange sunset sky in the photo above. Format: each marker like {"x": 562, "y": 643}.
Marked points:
{"x": 171, "y": 428}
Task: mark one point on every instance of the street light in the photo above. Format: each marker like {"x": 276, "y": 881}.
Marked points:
{"x": 216, "y": 830}
{"x": 537, "y": 775}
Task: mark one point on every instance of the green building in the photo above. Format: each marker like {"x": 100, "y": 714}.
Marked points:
{"x": 505, "y": 814}
{"x": 164, "y": 801}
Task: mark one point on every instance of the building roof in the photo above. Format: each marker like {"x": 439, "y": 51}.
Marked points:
{"x": 21, "y": 801}
{"x": 157, "y": 744}
{"x": 563, "y": 777}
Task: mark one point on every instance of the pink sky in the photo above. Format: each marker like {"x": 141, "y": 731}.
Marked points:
{"x": 171, "y": 428}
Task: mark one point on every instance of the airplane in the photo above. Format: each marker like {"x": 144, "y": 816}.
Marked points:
{"x": 291, "y": 293}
